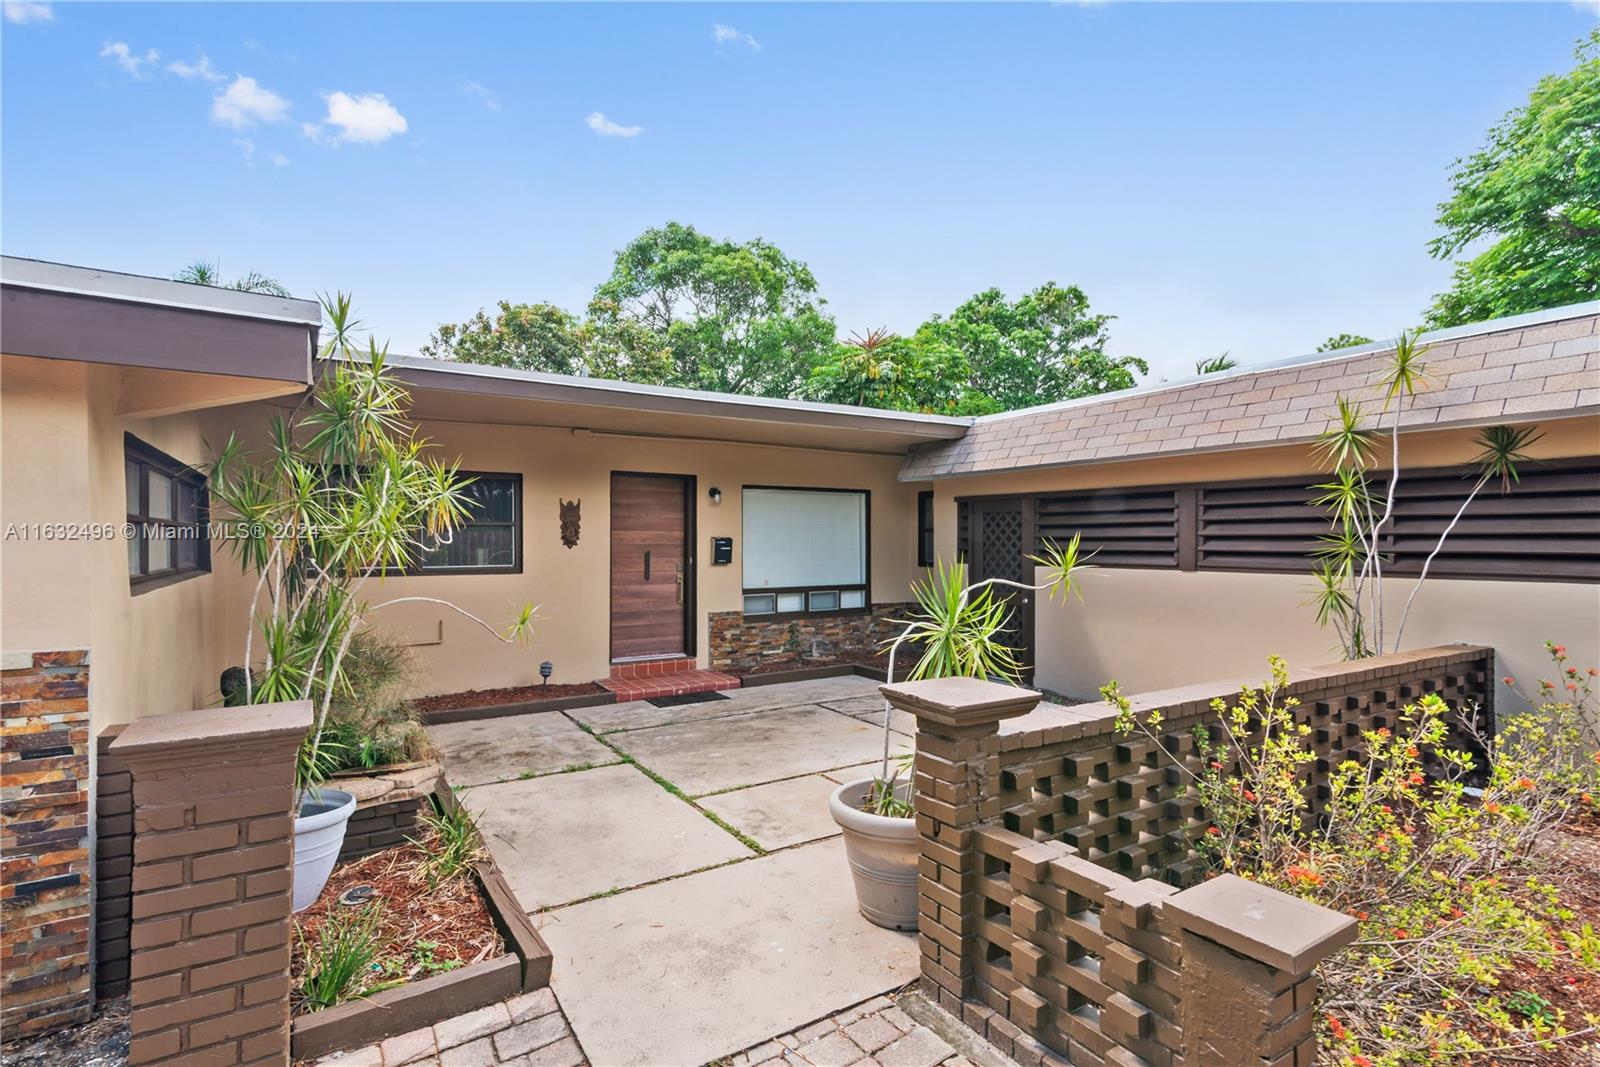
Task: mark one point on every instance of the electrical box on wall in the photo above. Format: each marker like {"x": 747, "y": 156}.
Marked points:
{"x": 721, "y": 551}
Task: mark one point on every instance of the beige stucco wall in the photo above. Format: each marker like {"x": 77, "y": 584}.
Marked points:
{"x": 61, "y": 452}
{"x": 1150, "y": 629}
{"x": 572, "y": 585}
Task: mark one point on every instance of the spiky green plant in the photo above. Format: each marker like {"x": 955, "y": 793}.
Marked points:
{"x": 959, "y": 625}
{"x": 1215, "y": 365}
{"x": 341, "y": 959}
{"x": 344, "y": 494}
{"x": 454, "y": 843}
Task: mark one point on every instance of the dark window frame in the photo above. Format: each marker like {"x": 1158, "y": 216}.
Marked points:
{"x": 864, "y": 586}
{"x": 515, "y": 525}
{"x": 925, "y": 529}
{"x": 147, "y": 457}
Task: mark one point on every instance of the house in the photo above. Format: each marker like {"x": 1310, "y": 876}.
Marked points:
{"x": 684, "y": 530}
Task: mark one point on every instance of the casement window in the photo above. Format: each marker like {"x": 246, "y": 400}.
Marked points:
{"x": 167, "y": 517}
{"x": 925, "y": 529}
{"x": 805, "y": 551}
{"x": 489, "y": 541}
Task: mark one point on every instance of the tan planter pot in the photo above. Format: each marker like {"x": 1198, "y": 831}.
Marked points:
{"x": 883, "y": 856}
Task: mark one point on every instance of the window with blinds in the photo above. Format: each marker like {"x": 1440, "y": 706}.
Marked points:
{"x": 805, "y": 551}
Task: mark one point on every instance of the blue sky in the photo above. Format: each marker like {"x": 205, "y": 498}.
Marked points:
{"x": 1248, "y": 178}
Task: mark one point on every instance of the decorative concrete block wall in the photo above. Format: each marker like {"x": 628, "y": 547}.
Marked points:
{"x": 44, "y": 841}
{"x": 740, "y": 642}
{"x": 1050, "y": 913}
{"x": 113, "y": 868}
{"x": 212, "y": 871}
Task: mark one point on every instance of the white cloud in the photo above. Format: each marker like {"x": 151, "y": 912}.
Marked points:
{"x": 728, "y": 35}
{"x": 245, "y": 103}
{"x": 606, "y": 128}
{"x": 132, "y": 63}
{"x": 200, "y": 68}
{"x": 1591, "y": 7}
{"x": 22, "y": 12}
{"x": 365, "y": 119}
{"x": 279, "y": 159}
{"x": 483, "y": 93}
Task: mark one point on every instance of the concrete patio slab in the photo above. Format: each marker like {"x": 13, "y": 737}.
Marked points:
{"x": 568, "y": 836}
{"x": 497, "y": 750}
{"x": 870, "y": 709}
{"x": 857, "y": 771}
{"x": 779, "y": 814}
{"x": 693, "y": 969}
{"x": 762, "y": 746}
{"x": 638, "y": 715}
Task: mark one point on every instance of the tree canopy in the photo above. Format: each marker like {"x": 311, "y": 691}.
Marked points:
{"x": 209, "y": 272}
{"x": 1343, "y": 340}
{"x": 682, "y": 308}
{"x": 1532, "y": 193}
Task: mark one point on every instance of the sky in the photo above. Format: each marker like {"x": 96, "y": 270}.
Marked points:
{"x": 1245, "y": 178}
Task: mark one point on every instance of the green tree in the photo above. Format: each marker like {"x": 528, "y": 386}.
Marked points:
{"x": 1045, "y": 346}
{"x": 1532, "y": 193}
{"x": 1215, "y": 365}
{"x": 1343, "y": 340}
{"x": 737, "y": 317}
{"x": 209, "y": 272}
{"x": 914, "y": 373}
{"x": 538, "y": 337}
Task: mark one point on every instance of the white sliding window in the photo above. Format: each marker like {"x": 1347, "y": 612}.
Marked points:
{"x": 805, "y": 551}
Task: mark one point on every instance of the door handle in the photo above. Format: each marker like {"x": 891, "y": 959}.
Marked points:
{"x": 680, "y": 582}
{"x": 647, "y": 564}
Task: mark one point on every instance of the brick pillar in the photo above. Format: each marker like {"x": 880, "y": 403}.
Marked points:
{"x": 113, "y": 868}
{"x": 44, "y": 841}
{"x": 1247, "y": 983}
{"x": 213, "y": 859}
{"x": 958, "y": 723}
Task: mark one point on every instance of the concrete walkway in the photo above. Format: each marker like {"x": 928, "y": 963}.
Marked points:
{"x": 682, "y": 864}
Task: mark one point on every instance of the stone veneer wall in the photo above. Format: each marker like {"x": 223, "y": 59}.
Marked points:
{"x": 113, "y": 868}
{"x": 740, "y": 642}
{"x": 1022, "y": 934}
{"x": 44, "y": 841}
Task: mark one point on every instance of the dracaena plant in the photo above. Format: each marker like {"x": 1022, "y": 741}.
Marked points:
{"x": 1349, "y": 559}
{"x": 959, "y": 628}
{"x": 344, "y": 494}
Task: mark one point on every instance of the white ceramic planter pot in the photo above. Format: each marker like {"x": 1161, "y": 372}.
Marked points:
{"x": 318, "y": 835}
{"x": 883, "y": 856}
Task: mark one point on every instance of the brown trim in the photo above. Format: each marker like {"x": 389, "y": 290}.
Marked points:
{"x": 499, "y": 711}
{"x": 691, "y": 578}
{"x": 806, "y": 674}
{"x": 518, "y": 526}
{"x": 129, "y": 333}
{"x": 865, "y": 585}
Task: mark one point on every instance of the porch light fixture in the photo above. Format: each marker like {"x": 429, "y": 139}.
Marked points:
{"x": 546, "y": 669}
{"x": 715, "y": 494}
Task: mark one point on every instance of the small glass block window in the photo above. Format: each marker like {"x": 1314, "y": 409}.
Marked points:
{"x": 760, "y": 604}
{"x": 825, "y": 600}
{"x": 788, "y": 602}
{"x": 853, "y": 598}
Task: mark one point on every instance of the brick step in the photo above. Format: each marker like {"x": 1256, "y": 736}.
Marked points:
{"x": 652, "y": 668}
{"x": 673, "y": 684}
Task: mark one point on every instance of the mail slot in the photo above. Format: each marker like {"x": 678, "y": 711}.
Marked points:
{"x": 721, "y": 551}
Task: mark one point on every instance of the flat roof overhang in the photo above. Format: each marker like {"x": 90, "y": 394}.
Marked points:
{"x": 56, "y": 311}
{"x": 468, "y": 393}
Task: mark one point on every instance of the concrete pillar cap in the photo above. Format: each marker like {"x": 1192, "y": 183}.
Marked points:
{"x": 1262, "y": 923}
{"x": 960, "y": 702}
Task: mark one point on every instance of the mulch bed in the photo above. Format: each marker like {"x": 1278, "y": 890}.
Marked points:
{"x": 450, "y": 925}
{"x": 478, "y": 698}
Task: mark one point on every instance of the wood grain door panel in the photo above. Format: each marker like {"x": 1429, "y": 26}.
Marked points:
{"x": 648, "y": 515}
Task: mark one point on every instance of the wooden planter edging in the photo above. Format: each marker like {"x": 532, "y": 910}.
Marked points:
{"x": 497, "y": 711}
{"x": 806, "y": 674}
{"x": 525, "y": 968}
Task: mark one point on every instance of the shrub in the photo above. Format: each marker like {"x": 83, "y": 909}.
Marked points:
{"x": 340, "y": 962}
{"x": 452, "y": 842}
{"x": 1445, "y": 880}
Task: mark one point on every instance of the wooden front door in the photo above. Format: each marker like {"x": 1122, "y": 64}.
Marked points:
{"x": 652, "y": 583}
{"x": 1002, "y": 540}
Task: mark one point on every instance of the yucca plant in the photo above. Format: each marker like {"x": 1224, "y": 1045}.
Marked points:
{"x": 1348, "y": 561}
{"x": 960, "y": 627}
{"x": 344, "y": 494}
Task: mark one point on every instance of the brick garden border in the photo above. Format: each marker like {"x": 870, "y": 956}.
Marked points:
{"x": 499, "y": 711}
{"x": 523, "y": 969}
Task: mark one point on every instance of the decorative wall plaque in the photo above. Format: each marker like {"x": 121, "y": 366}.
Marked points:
{"x": 569, "y": 521}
